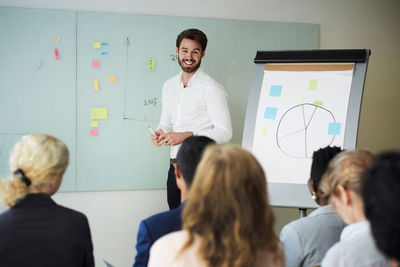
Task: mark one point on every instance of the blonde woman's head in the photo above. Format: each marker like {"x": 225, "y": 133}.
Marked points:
{"x": 229, "y": 208}
{"x": 37, "y": 164}
{"x": 342, "y": 183}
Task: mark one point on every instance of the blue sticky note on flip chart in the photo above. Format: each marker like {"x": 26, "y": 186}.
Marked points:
{"x": 334, "y": 128}
{"x": 270, "y": 113}
{"x": 275, "y": 90}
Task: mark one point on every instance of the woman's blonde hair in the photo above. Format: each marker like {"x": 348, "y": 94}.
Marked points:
{"x": 38, "y": 157}
{"x": 229, "y": 209}
{"x": 346, "y": 169}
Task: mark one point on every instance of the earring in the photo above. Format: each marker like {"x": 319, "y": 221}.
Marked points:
{"x": 314, "y": 196}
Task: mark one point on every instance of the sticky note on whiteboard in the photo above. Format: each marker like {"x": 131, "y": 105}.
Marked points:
{"x": 334, "y": 128}
{"x": 95, "y": 63}
{"x": 112, "y": 78}
{"x": 94, "y": 124}
{"x": 99, "y": 113}
{"x": 275, "y": 90}
{"x": 270, "y": 113}
{"x": 312, "y": 85}
{"x": 94, "y": 132}
{"x": 318, "y": 103}
{"x": 264, "y": 131}
{"x": 96, "y": 44}
{"x": 151, "y": 64}
{"x": 96, "y": 85}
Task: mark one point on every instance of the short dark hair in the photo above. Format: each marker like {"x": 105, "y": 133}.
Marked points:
{"x": 320, "y": 162}
{"x": 381, "y": 196}
{"x": 195, "y": 35}
{"x": 189, "y": 156}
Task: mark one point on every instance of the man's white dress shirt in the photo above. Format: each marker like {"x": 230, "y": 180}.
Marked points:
{"x": 201, "y": 108}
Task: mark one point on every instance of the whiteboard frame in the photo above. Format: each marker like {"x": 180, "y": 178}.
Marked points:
{"x": 299, "y": 195}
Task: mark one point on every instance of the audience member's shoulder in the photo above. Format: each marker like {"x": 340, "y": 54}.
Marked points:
{"x": 160, "y": 217}
{"x": 172, "y": 81}
{"x": 5, "y": 218}
{"x": 72, "y": 215}
{"x": 170, "y": 242}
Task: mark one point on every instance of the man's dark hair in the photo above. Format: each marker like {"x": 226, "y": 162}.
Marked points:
{"x": 194, "y": 35}
{"x": 189, "y": 156}
{"x": 320, "y": 162}
{"x": 381, "y": 196}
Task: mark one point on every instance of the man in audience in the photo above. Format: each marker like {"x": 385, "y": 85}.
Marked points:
{"x": 381, "y": 194}
{"x": 158, "y": 225}
{"x": 306, "y": 240}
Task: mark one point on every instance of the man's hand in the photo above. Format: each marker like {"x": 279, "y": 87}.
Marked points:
{"x": 173, "y": 138}
{"x": 155, "y": 139}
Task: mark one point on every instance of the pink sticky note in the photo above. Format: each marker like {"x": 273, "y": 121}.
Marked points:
{"x": 56, "y": 56}
{"x": 94, "y": 132}
{"x": 96, "y": 63}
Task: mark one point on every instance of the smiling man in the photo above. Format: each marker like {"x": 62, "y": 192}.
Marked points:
{"x": 193, "y": 103}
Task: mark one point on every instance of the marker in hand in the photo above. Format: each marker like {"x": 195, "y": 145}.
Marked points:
{"x": 151, "y": 130}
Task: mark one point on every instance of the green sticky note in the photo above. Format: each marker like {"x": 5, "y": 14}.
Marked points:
{"x": 151, "y": 64}
{"x": 312, "y": 85}
{"x": 94, "y": 124}
{"x": 318, "y": 103}
{"x": 96, "y": 44}
{"x": 98, "y": 113}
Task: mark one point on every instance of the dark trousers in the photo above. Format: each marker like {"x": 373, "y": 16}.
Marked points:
{"x": 173, "y": 192}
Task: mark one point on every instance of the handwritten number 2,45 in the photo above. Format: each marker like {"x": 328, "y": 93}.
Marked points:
{"x": 150, "y": 102}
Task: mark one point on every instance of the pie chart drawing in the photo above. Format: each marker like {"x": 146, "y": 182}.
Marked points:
{"x": 303, "y": 129}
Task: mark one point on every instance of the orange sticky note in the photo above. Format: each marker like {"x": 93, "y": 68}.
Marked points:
{"x": 96, "y": 85}
{"x": 94, "y": 132}
{"x": 112, "y": 78}
{"x": 96, "y": 63}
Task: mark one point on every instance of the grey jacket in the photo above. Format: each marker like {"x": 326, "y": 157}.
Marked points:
{"x": 305, "y": 241}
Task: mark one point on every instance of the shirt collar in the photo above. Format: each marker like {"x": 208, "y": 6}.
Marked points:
{"x": 323, "y": 210}
{"x": 39, "y": 199}
{"x": 196, "y": 76}
{"x": 355, "y": 229}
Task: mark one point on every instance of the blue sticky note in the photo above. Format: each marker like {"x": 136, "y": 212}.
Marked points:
{"x": 104, "y": 53}
{"x": 103, "y": 44}
{"x": 270, "y": 113}
{"x": 275, "y": 90}
{"x": 334, "y": 128}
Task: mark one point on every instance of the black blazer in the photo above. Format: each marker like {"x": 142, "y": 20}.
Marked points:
{"x": 38, "y": 232}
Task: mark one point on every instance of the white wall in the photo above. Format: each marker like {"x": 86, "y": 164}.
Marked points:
{"x": 114, "y": 216}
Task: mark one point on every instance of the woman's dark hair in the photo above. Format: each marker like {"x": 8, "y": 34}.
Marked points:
{"x": 381, "y": 196}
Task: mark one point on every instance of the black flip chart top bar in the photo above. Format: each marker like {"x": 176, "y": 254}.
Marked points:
{"x": 305, "y": 56}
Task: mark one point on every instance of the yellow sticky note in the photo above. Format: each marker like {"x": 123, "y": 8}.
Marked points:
{"x": 264, "y": 130}
{"x": 94, "y": 124}
{"x": 151, "y": 64}
{"x": 96, "y": 44}
{"x": 58, "y": 39}
{"x": 96, "y": 85}
{"x": 112, "y": 78}
{"x": 99, "y": 113}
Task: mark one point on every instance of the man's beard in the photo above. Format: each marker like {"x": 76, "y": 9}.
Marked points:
{"x": 190, "y": 69}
